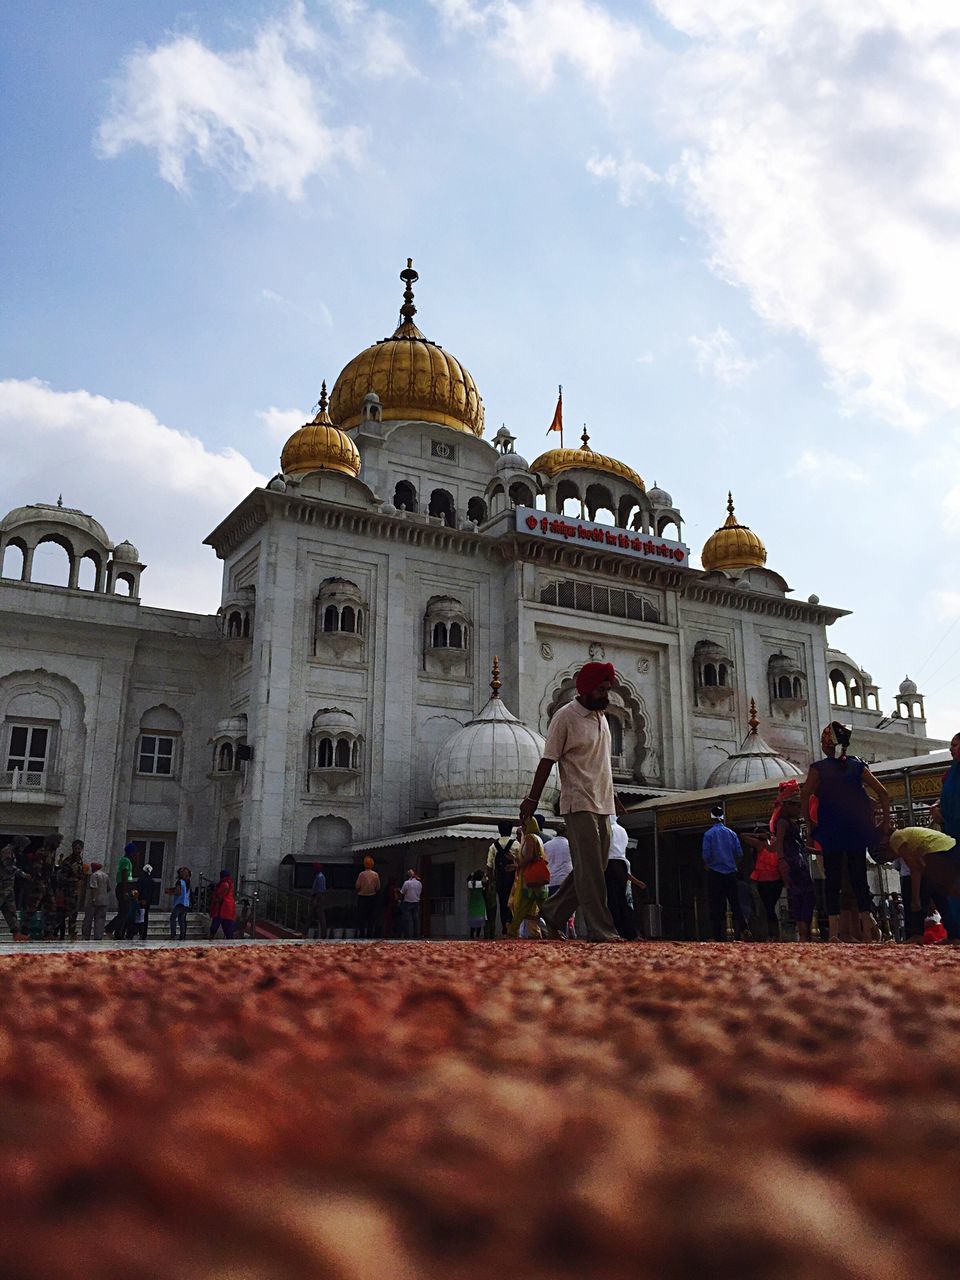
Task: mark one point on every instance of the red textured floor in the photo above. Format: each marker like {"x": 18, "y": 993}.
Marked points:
{"x": 481, "y": 1110}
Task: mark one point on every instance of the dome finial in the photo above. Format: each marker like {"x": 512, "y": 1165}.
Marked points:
{"x": 495, "y": 682}
{"x": 410, "y": 278}
{"x": 585, "y": 438}
{"x": 753, "y": 722}
{"x": 729, "y": 503}
{"x": 322, "y": 402}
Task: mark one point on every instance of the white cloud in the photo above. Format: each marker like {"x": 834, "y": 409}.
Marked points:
{"x": 542, "y": 37}
{"x": 317, "y": 312}
{"x": 720, "y": 354}
{"x": 252, "y": 115}
{"x": 161, "y": 488}
{"x": 947, "y": 604}
{"x": 281, "y": 423}
{"x": 632, "y": 178}
{"x": 823, "y": 467}
{"x": 819, "y": 155}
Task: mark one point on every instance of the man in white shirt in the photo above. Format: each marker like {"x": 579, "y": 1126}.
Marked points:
{"x": 558, "y": 860}
{"x": 617, "y": 876}
{"x": 578, "y": 742}
{"x": 410, "y": 893}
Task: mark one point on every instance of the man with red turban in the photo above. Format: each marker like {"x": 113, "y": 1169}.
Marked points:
{"x": 578, "y": 742}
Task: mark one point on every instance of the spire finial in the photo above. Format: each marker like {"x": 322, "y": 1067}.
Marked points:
{"x": 495, "y": 682}
{"x": 753, "y": 722}
{"x": 322, "y": 403}
{"x": 60, "y": 500}
{"x": 409, "y": 278}
{"x": 585, "y": 438}
{"x": 729, "y": 503}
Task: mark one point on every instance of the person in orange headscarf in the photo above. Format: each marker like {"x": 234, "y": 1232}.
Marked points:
{"x": 368, "y": 892}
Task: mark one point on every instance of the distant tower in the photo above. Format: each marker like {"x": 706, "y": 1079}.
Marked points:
{"x": 910, "y": 707}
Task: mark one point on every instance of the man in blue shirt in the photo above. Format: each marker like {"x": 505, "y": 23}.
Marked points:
{"x": 722, "y": 852}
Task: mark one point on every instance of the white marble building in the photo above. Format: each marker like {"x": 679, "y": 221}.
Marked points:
{"x": 320, "y": 713}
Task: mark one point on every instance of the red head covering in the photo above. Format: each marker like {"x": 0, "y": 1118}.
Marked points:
{"x": 95, "y": 866}
{"x": 593, "y": 673}
{"x": 789, "y": 789}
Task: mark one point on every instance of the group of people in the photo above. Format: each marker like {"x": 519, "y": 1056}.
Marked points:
{"x": 380, "y": 911}
{"x": 841, "y": 812}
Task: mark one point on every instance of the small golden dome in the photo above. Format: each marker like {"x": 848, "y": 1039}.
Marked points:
{"x": 414, "y": 378}
{"x": 320, "y": 446}
{"x": 733, "y": 546}
{"x": 554, "y": 461}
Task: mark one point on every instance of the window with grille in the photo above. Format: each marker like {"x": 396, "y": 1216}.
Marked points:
{"x": 29, "y": 744}
{"x": 615, "y": 602}
{"x": 156, "y": 755}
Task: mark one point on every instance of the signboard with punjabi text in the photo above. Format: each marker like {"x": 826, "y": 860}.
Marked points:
{"x": 585, "y": 533}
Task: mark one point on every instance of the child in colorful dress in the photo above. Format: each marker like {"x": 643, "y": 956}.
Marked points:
{"x": 530, "y": 885}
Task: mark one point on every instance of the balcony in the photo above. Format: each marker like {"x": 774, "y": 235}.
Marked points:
{"x": 32, "y": 787}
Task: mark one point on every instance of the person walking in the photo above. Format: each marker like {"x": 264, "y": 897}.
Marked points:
{"x": 96, "y": 903}
{"x": 317, "y": 919}
{"x": 144, "y": 899}
{"x": 767, "y": 877}
{"x": 502, "y": 858}
{"x": 557, "y": 851}
{"x": 368, "y": 890}
{"x": 721, "y": 851}
{"x": 838, "y": 800}
{"x": 617, "y": 875}
{"x": 223, "y": 907}
{"x": 578, "y": 742}
{"x": 181, "y": 903}
{"x": 476, "y": 905}
{"x": 10, "y": 873}
{"x": 124, "y": 884}
{"x": 69, "y": 878}
{"x": 411, "y": 892}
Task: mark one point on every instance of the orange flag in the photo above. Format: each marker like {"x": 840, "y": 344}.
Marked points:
{"x": 557, "y": 423}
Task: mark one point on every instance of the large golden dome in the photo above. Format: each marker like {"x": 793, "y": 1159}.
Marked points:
{"x": 414, "y": 378}
{"x": 733, "y": 546}
{"x": 554, "y": 461}
{"x": 320, "y": 446}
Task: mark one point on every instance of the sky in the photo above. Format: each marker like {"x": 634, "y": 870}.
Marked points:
{"x": 731, "y": 230}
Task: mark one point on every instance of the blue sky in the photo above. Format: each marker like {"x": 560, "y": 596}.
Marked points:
{"x": 731, "y": 230}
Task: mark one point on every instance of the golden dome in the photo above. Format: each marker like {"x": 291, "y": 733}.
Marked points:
{"x": 320, "y": 446}
{"x": 733, "y": 546}
{"x": 414, "y": 378}
{"x": 554, "y": 461}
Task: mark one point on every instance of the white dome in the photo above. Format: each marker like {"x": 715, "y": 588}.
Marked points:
{"x": 126, "y": 553}
{"x": 756, "y": 761}
{"x": 45, "y": 513}
{"x": 908, "y": 687}
{"x": 333, "y": 718}
{"x": 487, "y": 766}
{"x": 232, "y": 727}
{"x": 512, "y": 462}
{"x": 659, "y": 497}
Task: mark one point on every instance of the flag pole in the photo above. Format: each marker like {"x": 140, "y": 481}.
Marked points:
{"x": 560, "y": 397}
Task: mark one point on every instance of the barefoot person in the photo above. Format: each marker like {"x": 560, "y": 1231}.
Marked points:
{"x": 578, "y": 742}
{"x": 838, "y": 800}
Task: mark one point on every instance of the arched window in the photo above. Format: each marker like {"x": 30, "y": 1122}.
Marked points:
{"x": 838, "y": 687}
{"x": 14, "y": 558}
{"x": 355, "y": 756}
{"x": 342, "y": 756}
{"x": 52, "y": 561}
{"x": 569, "y": 502}
{"x": 477, "y": 510}
{"x": 797, "y": 687}
{"x": 456, "y": 635}
{"x": 710, "y": 674}
{"x": 440, "y": 635}
{"x": 441, "y": 504}
{"x": 359, "y": 622}
{"x": 331, "y": 618}
{"x": 784, "y": 689}
{"x": 856, "y": 698}
{"x": 616, "y": 735}
{"x": 89, "y": 574}
{"x": 123, "y": 585}
{"x": 225, "y": 762}
{"x": 613, "y": 601}
{"x": 405, "y": 496}
{"x": 235, "y": 625}
{"x": 599, "y": 501}
{"x": 324, "y": 754}
{"x": 521, "y": 495}
{"x": 722, "y": 675}
{"x": 347, "y": 619}
{"x": 625, "y": 510}
{"x": 246, "y": 626}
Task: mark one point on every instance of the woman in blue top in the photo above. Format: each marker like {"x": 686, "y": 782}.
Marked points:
{"x": 839, "y": 799}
